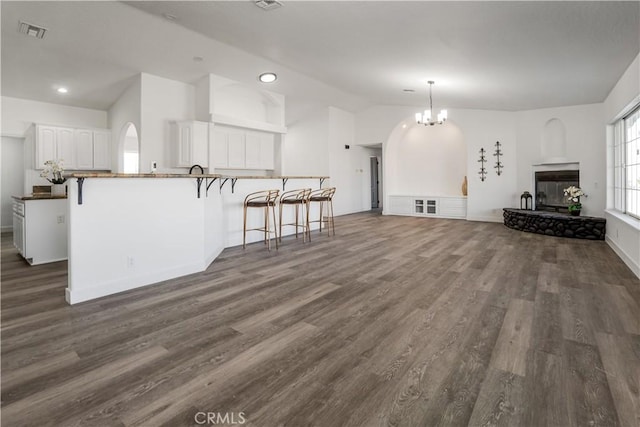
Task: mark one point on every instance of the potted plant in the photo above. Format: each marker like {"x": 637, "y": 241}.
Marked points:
{"x": 573, "y": 194}
{"x": 52, "y": 172}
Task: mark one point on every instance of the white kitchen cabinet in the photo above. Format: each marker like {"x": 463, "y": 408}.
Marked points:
{"x": 236, "y": 150}
{"x": 267, "y": 151}
{"x": 93, "y": 149}
{"x": 191, "y": 143}
{"x": 219, "y": 149}
{"x": 40, "y": 229}
{"x": 101, "y": 150}
{"x": 84, "y": 149}
{"x": 241, "y": 149}
{"x": 80, "y": 149}
{"x": 54, "y": 143}
{"x": 253, "y": 142}
{"x": 436, "y": 206}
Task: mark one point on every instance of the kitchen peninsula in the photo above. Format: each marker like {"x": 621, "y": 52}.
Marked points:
{"x": 132, "y": 230}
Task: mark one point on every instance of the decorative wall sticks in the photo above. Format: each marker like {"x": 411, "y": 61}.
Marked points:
{"x": 482, "y": 161}
{"x": 497, "y": 155}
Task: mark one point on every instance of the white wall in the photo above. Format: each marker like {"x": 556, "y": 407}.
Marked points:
{"x": 127, "y": 109}
{"x": 163, "y": 100}
{"x": 623, "y": 232}
{"x": 479, "y": 128}
{"x": 585, "y": 133}
{"x": 427, "y": 160}
{"x": 12, "y": 161}
{"x": 165, "y": 231}
{"x": 304, "y": 149}
{"x": 624, "y": 94}
{"x": 347, "y": 167}
{"x": 19, "y": 114}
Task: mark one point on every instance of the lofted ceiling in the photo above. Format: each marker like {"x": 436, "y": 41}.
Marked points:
{"x": 485, "y": 55}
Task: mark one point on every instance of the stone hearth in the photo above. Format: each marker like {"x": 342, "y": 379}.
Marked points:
{"x": 555, "y": 224}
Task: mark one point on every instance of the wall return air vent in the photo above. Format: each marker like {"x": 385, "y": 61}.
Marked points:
{"x": 32, "y": 30}
{"x": 268, "y": 4}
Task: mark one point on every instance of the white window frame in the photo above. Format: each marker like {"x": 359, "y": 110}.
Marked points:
{"x": 626, "y": 164}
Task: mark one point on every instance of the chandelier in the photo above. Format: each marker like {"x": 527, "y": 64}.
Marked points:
{"x": 426, "y": 117}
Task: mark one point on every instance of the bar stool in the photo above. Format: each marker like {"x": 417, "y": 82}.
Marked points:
{"x": 265, "y": 200}
{"x": 299, "y": 199}
{"x": 322, "y": 196}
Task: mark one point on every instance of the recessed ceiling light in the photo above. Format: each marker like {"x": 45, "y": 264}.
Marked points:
{"x": 268, "y": 77}
{"x": 408, "y": 90}
{"x": 404, "y": 126}
{"x": 198, "y": 59}
{"x": 62, "y": 90}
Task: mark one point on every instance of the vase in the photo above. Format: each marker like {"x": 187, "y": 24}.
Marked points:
{"x": 464, "y": 186}
{"x": 574, "y": 213}
{"x": 58, "y": 190}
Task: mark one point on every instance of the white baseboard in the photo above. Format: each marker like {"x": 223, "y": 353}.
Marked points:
{"x": 127, "y": 283}
{"x": 632, "y": 264}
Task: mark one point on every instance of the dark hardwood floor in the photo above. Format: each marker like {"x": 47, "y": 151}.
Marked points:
{"x": 394, "y": 321}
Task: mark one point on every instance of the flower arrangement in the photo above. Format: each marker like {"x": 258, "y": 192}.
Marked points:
{"x": 55, "y": 168}
{"x": 573, "y": 194}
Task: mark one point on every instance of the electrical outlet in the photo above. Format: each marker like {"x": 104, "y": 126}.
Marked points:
{"x": 60, "y": 219}
{"x": 130, "y": 262}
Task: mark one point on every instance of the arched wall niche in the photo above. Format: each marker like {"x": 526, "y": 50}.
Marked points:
{"x": 553, "y": 143}
{"x": 425, "y": 160}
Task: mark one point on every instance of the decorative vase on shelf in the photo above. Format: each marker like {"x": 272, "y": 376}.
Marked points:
{"x": 58, "y": 190}
{"x": 575, "y": 212}
{"x": 464, "y": 186}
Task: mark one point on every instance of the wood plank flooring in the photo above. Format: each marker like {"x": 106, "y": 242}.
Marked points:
{"x": 395, "y": 321}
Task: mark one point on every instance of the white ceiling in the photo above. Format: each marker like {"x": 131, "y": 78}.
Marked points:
{"x": 487, "y": 55}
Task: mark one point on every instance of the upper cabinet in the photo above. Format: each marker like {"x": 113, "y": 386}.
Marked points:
{"x": 54, "y": 143}
{"x": 234, "y": 148}
{"x": 102, "y": 149}
{"x": 79, "y": 149}
{"x": 190, "y": 143}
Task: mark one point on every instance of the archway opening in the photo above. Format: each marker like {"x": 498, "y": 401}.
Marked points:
{"x": 130, "y": 144}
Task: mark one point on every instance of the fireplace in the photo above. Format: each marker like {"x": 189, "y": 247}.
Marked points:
{"x": 550, "y": 187}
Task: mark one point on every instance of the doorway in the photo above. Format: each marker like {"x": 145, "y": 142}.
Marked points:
{"x": 375, "y": 182}
{"x": 130, "y": 154}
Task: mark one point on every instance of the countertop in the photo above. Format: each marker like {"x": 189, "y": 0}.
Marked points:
{"x": 273, "y": 177}
{"x": 176, "y": 175}
{"x": 140, "y": 175}
{"x": 43, "y": 197}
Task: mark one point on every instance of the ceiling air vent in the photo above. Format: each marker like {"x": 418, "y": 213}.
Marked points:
{"x": 32, "y": 30}
{"x": 268, "y": 4}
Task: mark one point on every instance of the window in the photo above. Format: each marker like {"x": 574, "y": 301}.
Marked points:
{"x": 626, "y": 165}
